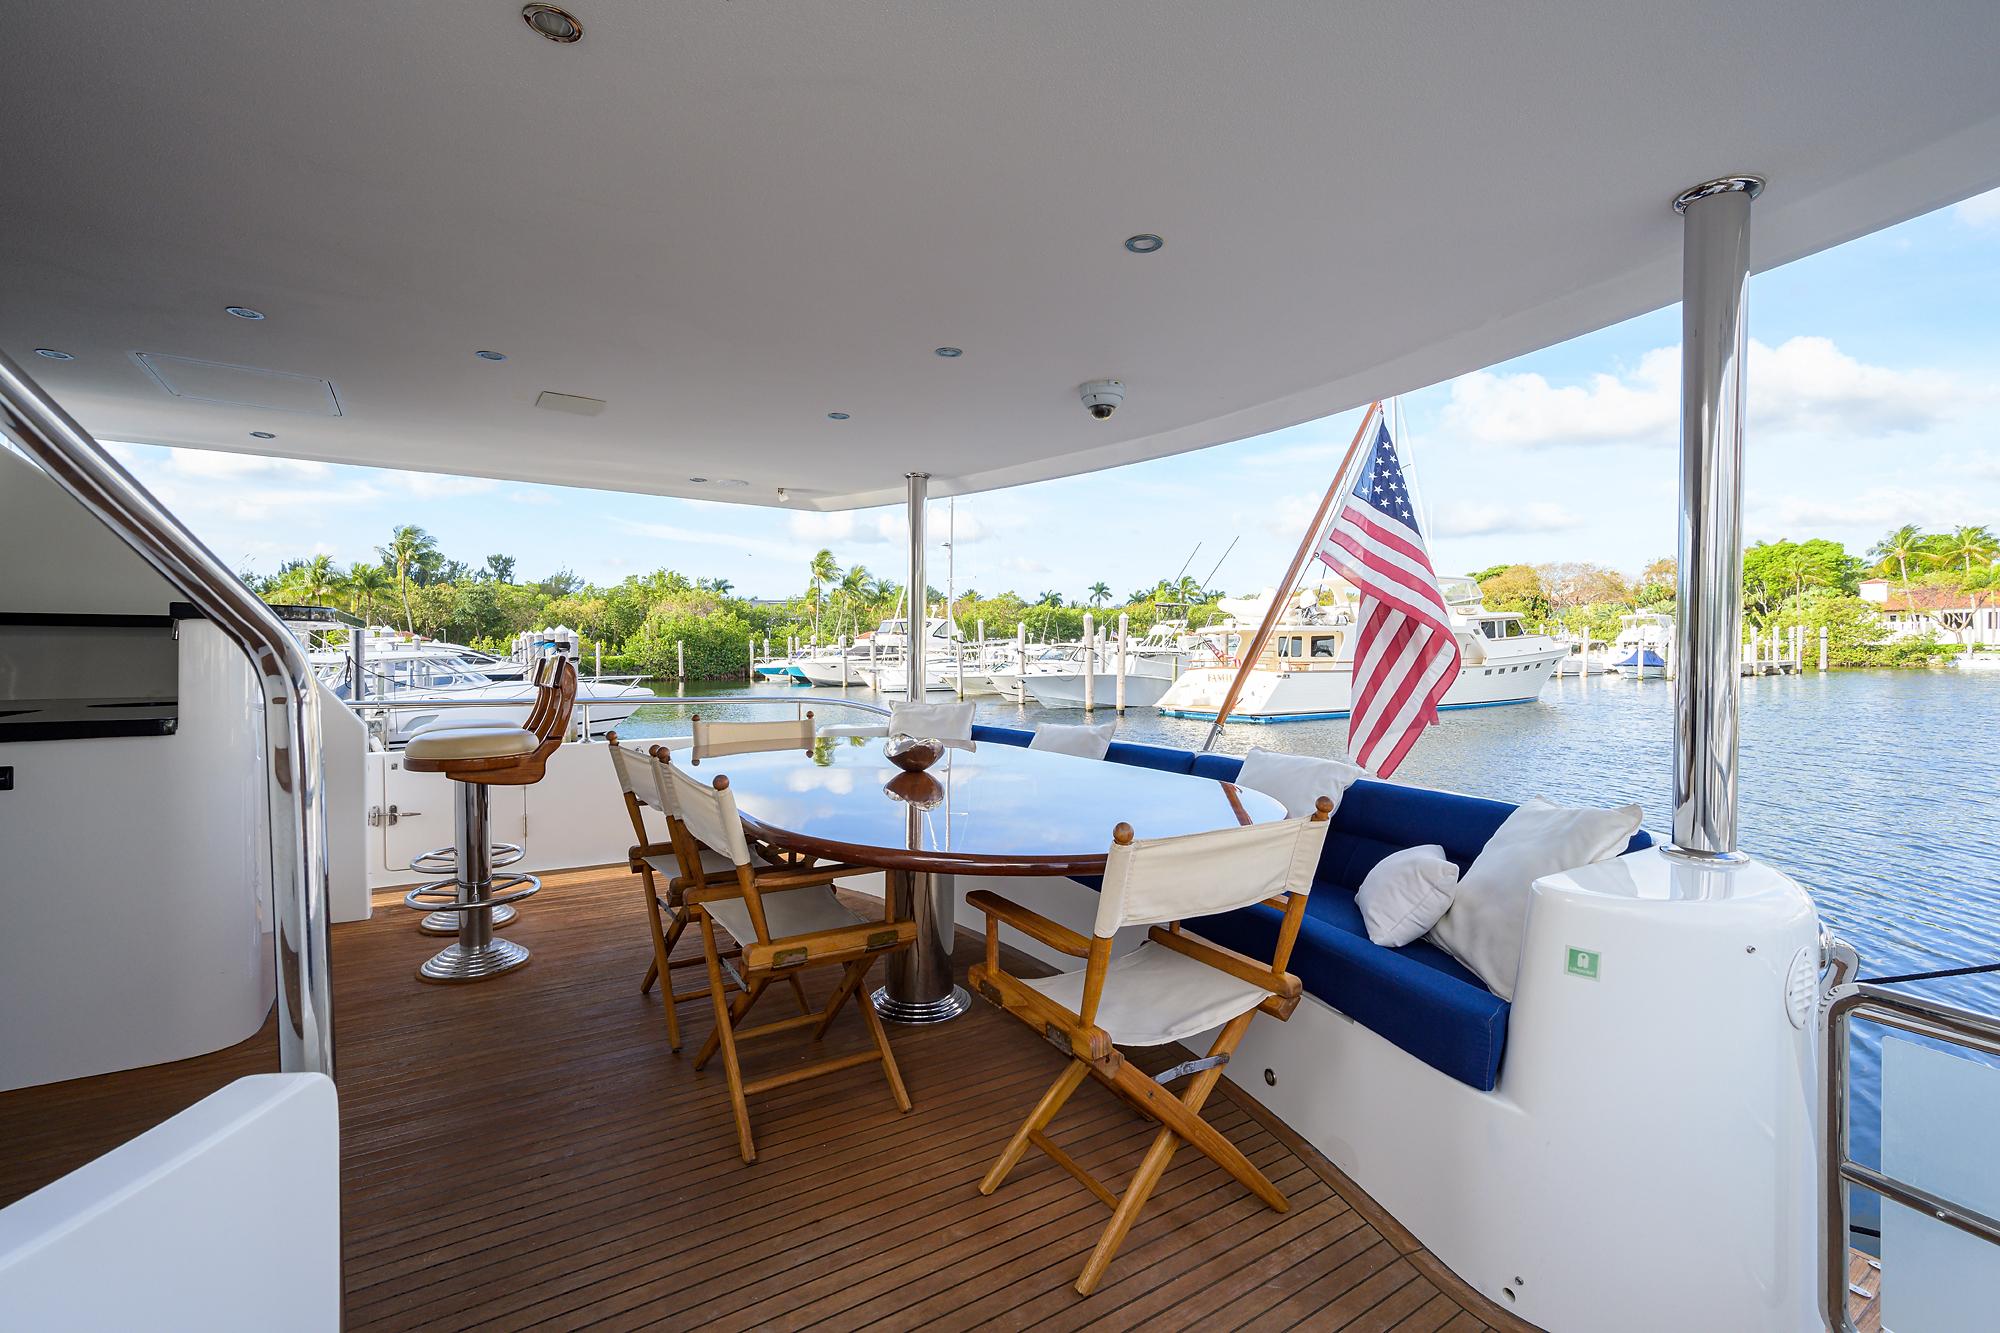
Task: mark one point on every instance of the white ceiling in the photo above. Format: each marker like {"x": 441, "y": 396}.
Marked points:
{"x": 727, "y": 218}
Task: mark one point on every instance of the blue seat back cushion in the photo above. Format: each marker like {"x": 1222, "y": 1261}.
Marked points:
{"x": 1418, "y": 996}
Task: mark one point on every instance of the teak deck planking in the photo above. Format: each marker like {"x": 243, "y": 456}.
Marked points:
{"x": 525, "y": 1152}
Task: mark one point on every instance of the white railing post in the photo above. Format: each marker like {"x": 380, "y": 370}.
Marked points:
{"x": 1123, "y": 625}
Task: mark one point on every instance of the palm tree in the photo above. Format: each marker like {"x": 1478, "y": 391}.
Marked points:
{"x": 1100, "y": 593}
{"x": 1967, "y": 545}
{"x": 316, "y": 579}
{"x": 365, "y": 583}
{"x": 824, "y": 569}
{"x": 1897, "y": 550}
{"x": 409, "y": 546}
{"x": 854, "y": 589}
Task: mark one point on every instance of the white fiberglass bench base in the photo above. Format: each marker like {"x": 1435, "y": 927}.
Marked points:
{"x": 1654, "y": 1121}
{"x": 224, "y": 1218}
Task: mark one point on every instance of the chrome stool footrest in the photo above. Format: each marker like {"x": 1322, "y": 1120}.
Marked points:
{"x": 441, "y": 895}
{"x": 444, "y": 861}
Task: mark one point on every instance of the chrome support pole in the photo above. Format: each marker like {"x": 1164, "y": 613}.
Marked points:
{"x": 1715, "y": 262}
{"x": 918, "y": 600}
{"x": 918, "y": 986}
{"x": 293, "y": 767}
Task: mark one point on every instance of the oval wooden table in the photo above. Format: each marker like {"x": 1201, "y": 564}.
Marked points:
{"x": 985, "y": 810}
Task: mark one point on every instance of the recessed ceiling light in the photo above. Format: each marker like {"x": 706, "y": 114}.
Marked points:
{"x": 53, "y": 355}
{"x": 836, "y": 416}
{"x": 244, "y": 312}
{"x": 558, "y": 25}
{"x": 1145, "y": 243}
{"x": 491, "y": 356}
{"x": 949, "y": 352}
{"x": 262, "y": 435}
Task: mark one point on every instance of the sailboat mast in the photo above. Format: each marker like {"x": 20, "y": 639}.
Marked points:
{"x": 1255, "y": 650}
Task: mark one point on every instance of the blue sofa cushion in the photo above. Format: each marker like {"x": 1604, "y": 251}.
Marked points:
{"x": 1418, "y": 996}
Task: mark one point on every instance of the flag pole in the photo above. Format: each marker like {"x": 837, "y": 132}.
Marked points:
{"x": 1314, "y": 531}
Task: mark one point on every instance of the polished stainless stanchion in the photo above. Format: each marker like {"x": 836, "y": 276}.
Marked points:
{"x": 1715, "y": 262}
{"x": 475, "y": 895}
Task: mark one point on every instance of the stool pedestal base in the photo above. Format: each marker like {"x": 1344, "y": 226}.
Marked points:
{"x": 455, "y": 962}
{"x": 446, "y": 923}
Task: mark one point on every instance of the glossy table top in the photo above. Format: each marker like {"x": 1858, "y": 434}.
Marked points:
{"x": 991, "y": 809}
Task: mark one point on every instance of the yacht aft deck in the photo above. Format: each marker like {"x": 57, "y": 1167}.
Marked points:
{"x": 528, "y": 1154}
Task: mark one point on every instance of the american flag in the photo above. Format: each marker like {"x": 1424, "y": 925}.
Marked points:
{"x": 1406, "y": 655}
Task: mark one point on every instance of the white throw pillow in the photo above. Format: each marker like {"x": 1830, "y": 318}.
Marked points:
{"x": 1405, "y": 894}
{"x": 1297, "y": 780}
{"x": 932, "y": 722}
{"x": 1489, "y": 913}
{"x": 1088, "y": 742}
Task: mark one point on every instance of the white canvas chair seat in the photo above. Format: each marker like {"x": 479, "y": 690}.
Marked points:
{"x": 1153, "y": 996}
{"x": 712, "y": 863}
{"x": 1170, "y": 988}
{"x": 786, "y": 912}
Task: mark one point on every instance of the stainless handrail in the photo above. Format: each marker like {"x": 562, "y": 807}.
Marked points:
{"x": 1920, "y": 1017}
{"x": 78, "y": 464}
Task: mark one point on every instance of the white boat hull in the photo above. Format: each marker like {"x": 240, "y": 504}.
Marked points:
{"x": 1067, "y": 691}
{"x": 1327, "y": 692}
{"x": 603, "y": 708}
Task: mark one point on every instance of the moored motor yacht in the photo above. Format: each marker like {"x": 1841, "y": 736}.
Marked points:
{"x": 1306, "y": 671}
{"x": 769, "y": 292}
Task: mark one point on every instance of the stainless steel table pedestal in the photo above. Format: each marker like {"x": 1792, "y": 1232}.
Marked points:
{"x": 919, "y": 987}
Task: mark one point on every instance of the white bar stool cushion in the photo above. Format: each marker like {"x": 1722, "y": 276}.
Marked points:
{"x": 472, "y": 743}
{"x": 1153, "y": 996}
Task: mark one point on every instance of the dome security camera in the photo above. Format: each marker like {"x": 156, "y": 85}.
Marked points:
{"x": 1101, "y": 397}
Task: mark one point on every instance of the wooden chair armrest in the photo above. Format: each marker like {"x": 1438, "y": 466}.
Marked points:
{"x": 1281, "y": 984}
{"x": 1030, "y": 923}
{"x": 799, "y": 879}
{"x": 840, "y": 942}
{"x": 1061, "y": 1027}
{"x": 634, "y": 855}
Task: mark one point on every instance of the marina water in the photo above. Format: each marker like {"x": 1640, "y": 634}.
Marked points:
{"x": 1878, "y": 790}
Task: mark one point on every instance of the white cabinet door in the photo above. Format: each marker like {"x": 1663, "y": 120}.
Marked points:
{"x": 415, "y": 816}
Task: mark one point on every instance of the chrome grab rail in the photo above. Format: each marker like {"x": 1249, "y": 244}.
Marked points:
{"x": 77, "y": 463}
{"x": 581, "y": 715}
{"x": 1922, "y": 1018}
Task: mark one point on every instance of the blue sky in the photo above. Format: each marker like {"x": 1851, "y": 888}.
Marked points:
{"x": 1874, "y": 398}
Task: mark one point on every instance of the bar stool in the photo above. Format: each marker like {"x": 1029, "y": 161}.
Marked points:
{"x": 444, "y": 860}
{"x": 477, "y": 758}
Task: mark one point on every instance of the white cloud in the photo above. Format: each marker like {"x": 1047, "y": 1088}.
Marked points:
{"x": 1805, "y": 384}
{"x": 211, "y": 463}
{"x": 1881, "y": 507}
{"x": 530, "y": 498}
{"x": 442, "y": 486}
{"x": 1021, "y": 564}
{"x": 1982, "y": 210}
{"x": 888, "y": 527}
{"x": 1494, "y": 520}
{"x": 668, "y": 532}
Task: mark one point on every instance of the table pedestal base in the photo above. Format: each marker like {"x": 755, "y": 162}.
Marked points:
{"x": 919, "y": 987}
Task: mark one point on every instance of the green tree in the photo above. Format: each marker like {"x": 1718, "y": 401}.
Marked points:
{"x": 1515, "y": 588}
{"x": 499, "y": 568}
{"x": 1776, "y": 571}
{"x": 1897, "y": 550}
{"x": 366, "y": 583}
{"x": 824, "y": 569}
{"x": 1969, "y": 546}
{"x": 314, "y": 581}
{"x": 1100, "y": 593}
{"x": 410, "y": 548}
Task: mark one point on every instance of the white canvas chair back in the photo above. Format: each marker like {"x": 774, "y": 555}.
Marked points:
{"x": 719, "y": 738}
{"x": 935, "y": 722}
{"x": 643, "y": 777}
{"x": 710, "y": 815}
{"x": 1156, "y": 880}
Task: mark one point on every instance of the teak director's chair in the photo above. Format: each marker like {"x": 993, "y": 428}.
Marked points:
{"x": 1168, "y": 989}
{"x": 787, "y": 921}
{"x": 644, "y": 783}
